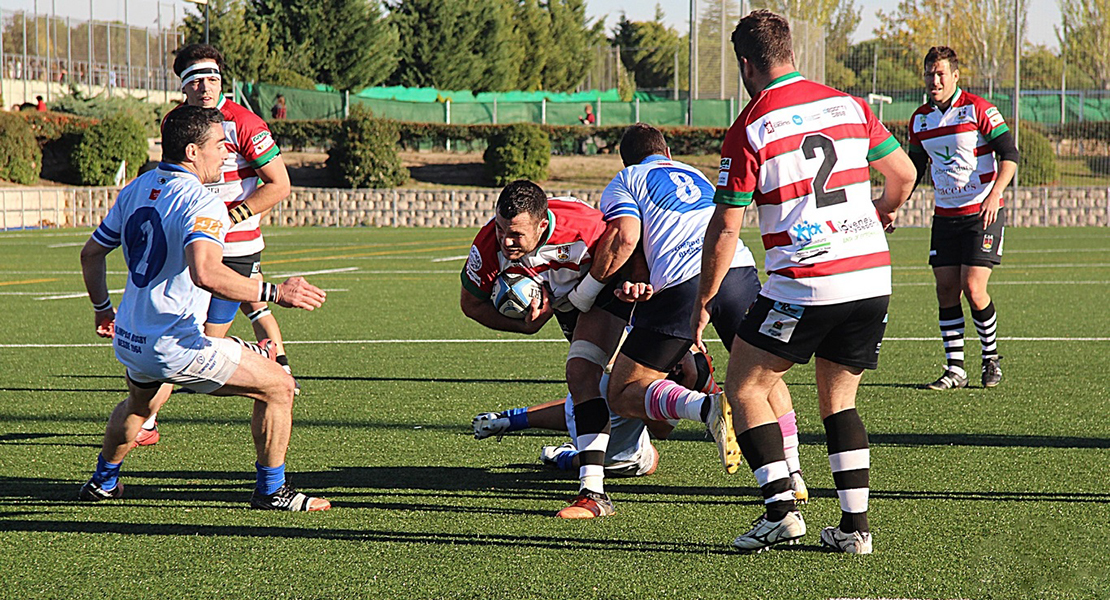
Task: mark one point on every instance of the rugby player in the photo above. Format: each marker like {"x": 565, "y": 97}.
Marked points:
{"x": 172, "y": 232}
{"x": 253, "y": 180}
{"x": 553, "y": 241}
{"x": 800, "y": 151}
{"x": 973, "y": 158}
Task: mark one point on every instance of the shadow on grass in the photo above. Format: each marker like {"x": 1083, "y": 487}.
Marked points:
{"x": 325, "y": 378}
{"x": 987, "y": 440}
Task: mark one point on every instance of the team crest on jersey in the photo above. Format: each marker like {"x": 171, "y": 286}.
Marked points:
{"x": 922, "y": 123}
{"x": 474, "y": 264}
{"x": 966, "y": 113}
{"x": 154, "y": 193}
{"x": 562, "y": 253}
{"x": 988, "y": 242}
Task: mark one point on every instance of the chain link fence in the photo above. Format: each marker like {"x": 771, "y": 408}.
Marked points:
{"x": 98, "y": 55}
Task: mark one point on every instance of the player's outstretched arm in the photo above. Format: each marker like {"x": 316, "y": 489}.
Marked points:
{"x": 900, "y": 175}
{"x": 208, "y": 272}
{"x": 94, "y": 270}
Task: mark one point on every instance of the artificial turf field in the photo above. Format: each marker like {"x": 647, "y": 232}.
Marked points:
{"x": 1001, "y": 493}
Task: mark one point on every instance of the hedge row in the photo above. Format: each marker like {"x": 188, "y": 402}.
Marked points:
{"x": 565, "y": 139}
{"x": 69, "y": 148}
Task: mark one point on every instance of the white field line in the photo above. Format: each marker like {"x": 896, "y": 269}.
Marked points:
{"x": 69, "y": 245}
{"x": 303, "y": 273}
{"x": 76, "y": 295}
{"x": 554, "y": 341}
{"x": 933, "y": 283}
{"x": 449, "y": 258}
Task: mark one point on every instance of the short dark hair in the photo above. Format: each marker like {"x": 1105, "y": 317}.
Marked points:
{"x": 763, "y": 38}
{"x": 187, "y": 125}
{"x": 939, "y": 53}
{"x": 522, "y": 196}
{"x": 192, "y": 53}
{"x": 641, "y": 141}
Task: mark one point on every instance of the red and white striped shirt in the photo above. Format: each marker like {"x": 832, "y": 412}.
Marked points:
{"x": 957, "y": 143}
{"x": 249, "y": 147}
{"x": 562, "y": 259}
{"x": 800, "y": 151}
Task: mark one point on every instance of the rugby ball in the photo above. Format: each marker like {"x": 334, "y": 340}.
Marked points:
{"x": 513, "y": 294}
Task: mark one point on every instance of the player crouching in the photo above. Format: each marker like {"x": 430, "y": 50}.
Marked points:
{"x": 172, "y": 232}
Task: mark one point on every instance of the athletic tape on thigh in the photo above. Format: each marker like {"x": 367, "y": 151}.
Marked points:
{"x": 588, "y": 351}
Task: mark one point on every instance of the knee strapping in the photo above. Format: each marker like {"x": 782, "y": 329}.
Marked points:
{"x": 588, "y": 351}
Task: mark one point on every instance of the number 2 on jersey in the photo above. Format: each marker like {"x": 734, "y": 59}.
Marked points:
{"x": 821, "y": 179}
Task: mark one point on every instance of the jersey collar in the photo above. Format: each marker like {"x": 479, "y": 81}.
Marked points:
{"x": 550, "y": 230}
{"x": 176, "y": 170}
{"x": 783, "y": 79}
{"x": 654, "y": 158}
{"x": 220, "y": 104}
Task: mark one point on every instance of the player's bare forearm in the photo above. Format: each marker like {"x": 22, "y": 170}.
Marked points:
{"x": 275, "y": 188}
{"x": 900, "y": 175}
{"x": 719, "y": 247}
{"x": 988, "y": 210}
{"x": 94, "y": 270}
{"x": 485, "y": 314}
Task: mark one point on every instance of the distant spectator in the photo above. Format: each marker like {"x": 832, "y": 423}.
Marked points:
{"x": 277, "y": 111}
{"x": 589, "y": 118}
{"x": 41, "y": 106}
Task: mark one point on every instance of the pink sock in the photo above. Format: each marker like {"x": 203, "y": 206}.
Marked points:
{"x": 666, "y": 400}
{"x": 788, "y": 423}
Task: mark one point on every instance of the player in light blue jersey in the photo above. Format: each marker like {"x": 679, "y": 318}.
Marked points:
{"x": 667, "y": 205}
{"x": 172, "y": 232}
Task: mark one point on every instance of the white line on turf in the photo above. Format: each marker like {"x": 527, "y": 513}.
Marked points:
{"x": 69, "y": 245}
{"x": 449, "y": 258}
{"x": 303, "y": 273}
{"x": 79, "y": 295}
{"x": 555, "y": 340}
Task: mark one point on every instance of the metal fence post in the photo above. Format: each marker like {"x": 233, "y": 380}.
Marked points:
{"x": 637, "y": 110}
{"x": 543, "y": 110}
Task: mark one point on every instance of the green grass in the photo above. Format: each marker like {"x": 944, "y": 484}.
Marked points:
{"x": 975, "y": 494}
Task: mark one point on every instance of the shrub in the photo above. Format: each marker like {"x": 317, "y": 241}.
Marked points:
{"x": 518, "y": 151}
{"x": 365, "y": 152}
{"x": 104, "y": 145}
{"x": 148, "y": 114}
{"x": 20, "y": 156}
{"x": 1038, "y": 158}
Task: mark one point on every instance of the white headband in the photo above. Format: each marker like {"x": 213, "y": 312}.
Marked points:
{"x": 198, "y": 70}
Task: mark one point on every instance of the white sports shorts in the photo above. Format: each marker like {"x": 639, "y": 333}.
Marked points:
{"x": 208, "y": 369}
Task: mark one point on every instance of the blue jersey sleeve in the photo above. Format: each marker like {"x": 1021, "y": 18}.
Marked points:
{"x": 618, "y": 201}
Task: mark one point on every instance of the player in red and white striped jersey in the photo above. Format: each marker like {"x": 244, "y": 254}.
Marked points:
{"x": 973, "y": 158}
{"x": 253, "y": 181}
{"x": 800, "y": 152}
{"x": 553, "y": 241}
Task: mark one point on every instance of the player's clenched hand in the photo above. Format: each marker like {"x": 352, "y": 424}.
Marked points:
{"x": 296, "y": 292}
{"x": 538, "y": 312}
{"x": 637, "y": 291}
{"x": 105, "y": 323}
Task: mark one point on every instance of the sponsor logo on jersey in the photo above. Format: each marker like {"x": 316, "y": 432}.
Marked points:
{"x": 207, "y": 225}
{"x": 154, "y": 193}
{"x": 797, "y": 119}
{"x": 837, "y": 111}
{"x": 994, "y": 117}
{"x": 846, "y": 226}
{"x": 726, "y": 164}
{"x": 922, "y": 123}
{"x": 474, "y": 264}
{"x": 988, "y": 242}
{"x": 262, "y": 142}
{"x": 806, "y": 231}
{"x": 947, "y": 157}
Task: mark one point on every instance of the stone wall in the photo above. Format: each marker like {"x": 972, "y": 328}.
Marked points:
{"x": 85, "y": 207}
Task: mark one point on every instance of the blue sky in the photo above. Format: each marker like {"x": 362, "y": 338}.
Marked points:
{"x": 1043, "y": 14}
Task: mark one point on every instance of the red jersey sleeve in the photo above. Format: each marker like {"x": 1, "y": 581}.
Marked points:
{"x": 881, "y": 142}
{"x": 991, "y": 122}
{"x": 482, "y": 266}
{"x": 256, "y": 143}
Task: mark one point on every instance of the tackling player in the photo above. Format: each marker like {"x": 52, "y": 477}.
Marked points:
{"x": 172, "y": 232}
{"x": 667, "y": 205}
{"x": 553, "y": 241}
{"x": 800, "y": 152}
{"x": 973, "y": 158}
{"x": 253, "y": 180}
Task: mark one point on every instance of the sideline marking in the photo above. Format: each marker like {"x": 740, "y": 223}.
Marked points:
{"x": 451, "y": 258}
{"x": 323, "y": 272}
{"x": 555, "y": 340}
{"x": 81, "y": 295}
